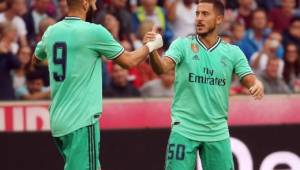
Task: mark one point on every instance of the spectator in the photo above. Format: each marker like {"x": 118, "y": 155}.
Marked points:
{"x": 8, "y": 62}
{"x": 119, "y": 85}
{"x": 149, "y": 10}
{"x": 19, "y": 78}
{"x": 44, "y": 24}
{"x": 291, "y": 72}
{"x": 246, "y": 8}
{"x": 286, "y": 12}
{"x": 292, "y": 35}
{"x": 181, "y": 14}
{"x": 117, "y": 8}
{"x": 9, "y": 35}
{"x": 272, "y": 83}
{"x": 268, "y": 4}
{"x": 62, "y": 10}
{"x": 34, "y": 16}
{"x": 162, "y": 87}
{"x": 2, "y": 5}
{"x": 113, "y": 25}
{"x": 226, "y": 37}
{"x": 260, "y": 59}
{"x": 238, "y": 32}
{"x": 34, "y": 89}
{"x": 15, "y": 8}
{"x": 256, "y": 35}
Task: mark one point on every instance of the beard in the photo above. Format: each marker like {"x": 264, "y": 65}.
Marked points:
{"x": 208, "y": 32}
{"x": 90, "y": 15}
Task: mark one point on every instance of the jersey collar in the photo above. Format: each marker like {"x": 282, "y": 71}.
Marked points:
{"x": 211, "y": 48}
{"x": 72, "y": 18}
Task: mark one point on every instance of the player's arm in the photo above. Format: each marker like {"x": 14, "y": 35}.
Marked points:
{"x": 245, "y": 73}
{"x": 130, "y": 59}
{"x": 161, "y": 65}
{"x": 39, "y": 54}
{"x": 254, "y": 85}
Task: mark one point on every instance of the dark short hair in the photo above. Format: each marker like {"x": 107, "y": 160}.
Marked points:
{"x": 33, "y": 75}
{"x": 295, "y": 19}
{"x": 257, "y": 11}
{"x": 73, "y": 3}
{"x": 218, "y": 5}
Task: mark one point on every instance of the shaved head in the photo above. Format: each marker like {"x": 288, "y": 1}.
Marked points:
{"x": 73, "y": 3}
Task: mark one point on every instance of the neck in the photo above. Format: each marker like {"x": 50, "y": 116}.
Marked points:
{"x": 210, "y": 39}
{"x": 7, "y": 41}
{"x": 77, "y": 13}
{"x": 258, "y": 33}
{"x": 244, "y": 11}
{"x": 150, "y": 10}
{"x": 39, "y": 11}
{"x": 9, "y": 14}
{"x": 287, "y": 11}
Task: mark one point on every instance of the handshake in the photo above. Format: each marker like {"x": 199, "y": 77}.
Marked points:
{"x": 153, "y": 40}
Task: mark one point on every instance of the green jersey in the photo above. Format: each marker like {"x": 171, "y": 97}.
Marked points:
{"x": 201, "y": 88}
{"x": 73, "y": 49}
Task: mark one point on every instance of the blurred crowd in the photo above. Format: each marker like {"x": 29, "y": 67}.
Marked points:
{"x": 267, "y": 31}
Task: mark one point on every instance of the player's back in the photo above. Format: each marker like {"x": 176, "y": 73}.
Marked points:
{"x": 75, "y": 74}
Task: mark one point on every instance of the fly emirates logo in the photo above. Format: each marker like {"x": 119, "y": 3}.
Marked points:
{"x": 207, "y": 78}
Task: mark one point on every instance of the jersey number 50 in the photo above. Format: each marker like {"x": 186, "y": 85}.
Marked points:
{"x": 60, "y": 58}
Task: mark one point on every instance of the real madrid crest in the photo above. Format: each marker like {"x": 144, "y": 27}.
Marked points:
{"x": 195, "y": 48}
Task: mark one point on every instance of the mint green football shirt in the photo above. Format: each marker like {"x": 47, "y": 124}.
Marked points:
{"x": 73, "y": 49}
{"x": 202, "y": 84}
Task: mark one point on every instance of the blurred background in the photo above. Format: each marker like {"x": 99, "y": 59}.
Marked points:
{"x": 136, "y": 117}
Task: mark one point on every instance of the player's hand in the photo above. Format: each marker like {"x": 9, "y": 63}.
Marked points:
{"x": 150, "y": 36}
{"x": 257, "y": 90}
{"x": 153, "y": 40}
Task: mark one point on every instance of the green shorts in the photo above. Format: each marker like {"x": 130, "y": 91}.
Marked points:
{"x": 182, "y": 153}
{"x": 80, "y": 149}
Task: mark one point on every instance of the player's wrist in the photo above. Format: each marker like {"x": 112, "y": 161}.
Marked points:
{"x": 156, "y": 44}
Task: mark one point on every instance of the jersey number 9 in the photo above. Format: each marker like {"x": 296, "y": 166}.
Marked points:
{"x": 60, "y": 59}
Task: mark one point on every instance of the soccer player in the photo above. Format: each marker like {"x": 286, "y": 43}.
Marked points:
{"x": 73, "y": 49}
{"x": 204, "y": 65}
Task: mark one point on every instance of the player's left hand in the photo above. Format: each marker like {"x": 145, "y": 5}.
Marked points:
{"x": 150, "y": 36}
{"x": 257, "y": 90}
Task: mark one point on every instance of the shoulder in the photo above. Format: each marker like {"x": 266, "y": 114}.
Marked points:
{"x": 21, "y": 91}
{"x": 2, "y": 16}
{"x": 229, "y": 48}
{"x": 96, "y": 28}
{"x": 18, "y": 20}
{"x": 181, "y": 40}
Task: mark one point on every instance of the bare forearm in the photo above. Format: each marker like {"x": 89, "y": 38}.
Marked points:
{"x": 256, "y": 61}
{"x": 156, "y": 63}
{"x": 23, "y": 41}
{"x": 131, "y": 59}
{"x": 37, "y": 96}
{"x": 139, "y": 55}
{"x": 248, "y": 81}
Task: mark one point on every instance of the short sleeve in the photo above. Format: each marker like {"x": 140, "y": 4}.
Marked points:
{"x": 40, "y": 50}
{"x": 175, "y": 50}
{"x": 107, "y": 45}
{"x": 21, "y": 27}
{"x": 21, "y": 91}
{"x": 241, "y": 65}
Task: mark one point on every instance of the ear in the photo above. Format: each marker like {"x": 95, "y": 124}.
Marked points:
{"x": 93, "y": 5}
{"x": 220, "y": 19}
{"x": 85, "y": 4}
